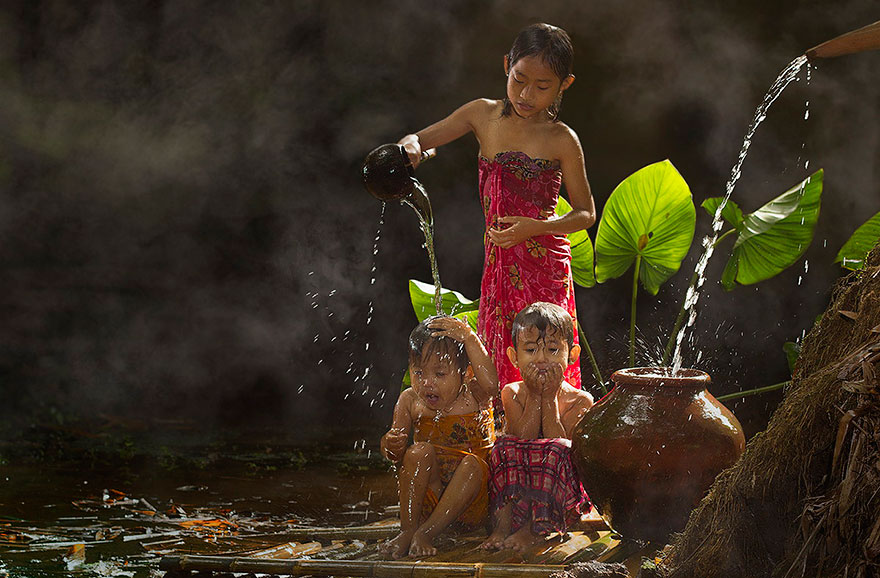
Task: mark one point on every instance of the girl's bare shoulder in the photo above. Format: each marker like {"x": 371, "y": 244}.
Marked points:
{"x": 487, "y": 105}
{"x": 482, "y": 110}
{"x": 563, "y": 135}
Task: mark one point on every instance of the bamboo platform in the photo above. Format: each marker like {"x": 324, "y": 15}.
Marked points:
{"x": 353, "y": 551}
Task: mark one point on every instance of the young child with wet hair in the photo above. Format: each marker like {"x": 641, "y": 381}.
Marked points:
{"x": 444, "y": 473}
{"x": 533, "y": 486}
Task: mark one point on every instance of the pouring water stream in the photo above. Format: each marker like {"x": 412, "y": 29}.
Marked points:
{"x": 788, "y": 74}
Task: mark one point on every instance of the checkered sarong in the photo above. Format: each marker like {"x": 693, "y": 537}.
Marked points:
{"x": 539, "y": 478}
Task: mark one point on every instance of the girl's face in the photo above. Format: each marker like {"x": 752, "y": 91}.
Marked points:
{"x": 436, "y": 380}
{"x": 532, "y": 86}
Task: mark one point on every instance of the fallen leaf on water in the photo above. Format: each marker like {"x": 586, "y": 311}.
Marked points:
{"x": 215, "y": 526}
{"x": 13, "y": 537}
{"x": 75, "y": 556}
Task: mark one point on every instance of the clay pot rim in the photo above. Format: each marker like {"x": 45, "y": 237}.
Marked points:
{"x": 656, "y": 376}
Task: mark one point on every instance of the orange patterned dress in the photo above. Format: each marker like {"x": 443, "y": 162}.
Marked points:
{"x": 514, "y": 184}
{"x": 454, "y": 437}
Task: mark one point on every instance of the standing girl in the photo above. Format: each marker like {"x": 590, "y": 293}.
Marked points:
{"x": 525, "y": 155}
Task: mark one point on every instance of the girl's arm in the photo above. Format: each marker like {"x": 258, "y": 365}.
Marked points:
{"x": 393, "y": 443}
{"x": 580, "y": 197}
{"x": 456, "y": 125}
{"x": 583, "y": 213}
{"x": 484, "y": 370}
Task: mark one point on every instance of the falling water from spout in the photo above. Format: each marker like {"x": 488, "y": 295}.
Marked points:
{"x": 788, "y": 74}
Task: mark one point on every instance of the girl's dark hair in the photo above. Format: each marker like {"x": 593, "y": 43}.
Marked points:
{"x": 554, "y": 47}
{"x": 423, "y": 343}
{"x": 543, "y": 317}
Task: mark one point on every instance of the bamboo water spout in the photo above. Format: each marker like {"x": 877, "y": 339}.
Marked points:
{"x": 865, "y": 38}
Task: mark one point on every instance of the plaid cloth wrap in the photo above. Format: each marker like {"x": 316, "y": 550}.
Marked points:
{"x": 539, "y": 478}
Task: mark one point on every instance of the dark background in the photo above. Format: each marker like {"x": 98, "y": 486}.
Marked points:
{"x": 184, "y": 235}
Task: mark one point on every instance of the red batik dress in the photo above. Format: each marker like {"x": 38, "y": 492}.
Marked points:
{"x": 539, "y": 269}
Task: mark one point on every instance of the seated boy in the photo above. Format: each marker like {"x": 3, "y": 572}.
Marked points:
{"x": 534, "y": 487}
{"x": 444, "y": 473}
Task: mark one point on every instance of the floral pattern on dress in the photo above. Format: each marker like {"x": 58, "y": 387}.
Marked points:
{"x": 514, "y": 184}
{"x": 515, "y": 279}
{"x": 536, "y": 249}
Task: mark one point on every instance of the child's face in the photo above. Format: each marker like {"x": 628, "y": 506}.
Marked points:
{"x": 436, "y": 380}
{"x": 541, "y": 352}
{"x": 532, "y": 86}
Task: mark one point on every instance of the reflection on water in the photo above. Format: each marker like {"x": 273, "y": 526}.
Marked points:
{"x": 63, "y": 520}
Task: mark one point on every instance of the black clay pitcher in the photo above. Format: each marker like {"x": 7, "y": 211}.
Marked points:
{"x": 388, "y": 175}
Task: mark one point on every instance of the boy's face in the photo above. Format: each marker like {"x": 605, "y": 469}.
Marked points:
{"x": 544, "y": 357}
{"x": 436, "y": 380}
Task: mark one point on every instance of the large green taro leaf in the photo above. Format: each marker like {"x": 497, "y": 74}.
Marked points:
{"x": 853, "y": 253}
{"x": 772, "y": 238}
{"x": 650, "y": 214}
{"x": 581, "y": 251}
{"x": 422, "y": 296}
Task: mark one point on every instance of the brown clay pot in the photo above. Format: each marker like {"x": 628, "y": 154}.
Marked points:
{"x": 649, "y": 450}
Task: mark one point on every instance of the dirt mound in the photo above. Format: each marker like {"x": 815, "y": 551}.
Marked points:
{"x": 804, "y": 499}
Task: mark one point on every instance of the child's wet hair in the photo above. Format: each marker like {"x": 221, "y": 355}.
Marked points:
{"x": 549, "y": 42}
{"x": 543, "y": 316}
{"x": 423, "y": 343}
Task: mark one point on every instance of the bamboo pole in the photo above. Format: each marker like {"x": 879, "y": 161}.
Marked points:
{"x": 286, "y": 551}
{"x": 350, "y": 533}
{"x": 356, "y": 568}
{"x": 865, "y": 38}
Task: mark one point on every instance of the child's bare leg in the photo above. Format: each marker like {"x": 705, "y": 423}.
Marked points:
{"x": 523, "y": 538}
{"x": 461, "y": 491}
{"x": 417, "y": 473}
{"x": 501, "y": 531}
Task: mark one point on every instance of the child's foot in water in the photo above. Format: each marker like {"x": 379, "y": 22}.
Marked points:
{"x": 421, "y": 546}
{"x": 522, "y": 539}
{"x": 397, "y": 547}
